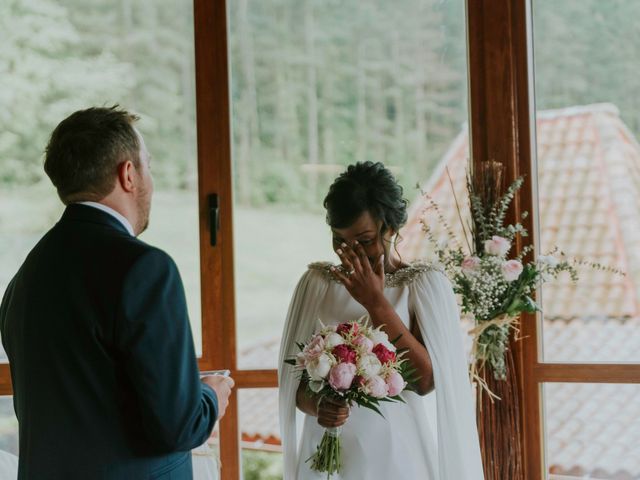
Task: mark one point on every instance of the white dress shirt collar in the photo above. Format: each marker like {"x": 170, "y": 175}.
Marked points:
{"x": 121, "y": 218}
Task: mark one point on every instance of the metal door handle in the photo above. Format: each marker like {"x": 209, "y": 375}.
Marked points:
{"x": 214, "y": 218}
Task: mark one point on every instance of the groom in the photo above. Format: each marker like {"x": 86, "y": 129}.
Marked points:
{"x": 95, "y": 324}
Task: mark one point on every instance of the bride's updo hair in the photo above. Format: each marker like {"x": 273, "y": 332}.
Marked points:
{"x": 366, "y": 186}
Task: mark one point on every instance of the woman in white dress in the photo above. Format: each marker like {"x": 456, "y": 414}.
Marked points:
{"x": 365, "y": 210}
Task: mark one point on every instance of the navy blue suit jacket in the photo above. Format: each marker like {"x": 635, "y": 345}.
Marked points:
{"x": 105, "y": 379}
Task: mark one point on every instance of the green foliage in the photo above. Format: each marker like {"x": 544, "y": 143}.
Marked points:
{"x": 60, "y": 56}
{"x": 258, "y": 465}
{"x": 313, "y": 83}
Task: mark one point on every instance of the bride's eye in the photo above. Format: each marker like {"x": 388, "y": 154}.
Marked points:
{"x": 366, "y": 241}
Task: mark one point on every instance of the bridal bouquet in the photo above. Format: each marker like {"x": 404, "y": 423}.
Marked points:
{"x": 355, "y": 363}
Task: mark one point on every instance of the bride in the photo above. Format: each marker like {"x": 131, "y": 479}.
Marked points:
{"x": 365, "y": 210}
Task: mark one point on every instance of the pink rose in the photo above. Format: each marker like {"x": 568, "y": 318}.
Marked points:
{"x": 470, "y": 265}
{"x": 384, "y": 354}
{"x": 511, "y": 270}
{"x": 376, "y": 387}
{"x": 341, "y": 376}
{"x": 395, "y": 383}
{"x": 364, "y": 342}
{"x": 345, "y": 329}
{"x": 345, "y": 354}
{"x": 313, "y": 349}
{"x": 498, "y": 246}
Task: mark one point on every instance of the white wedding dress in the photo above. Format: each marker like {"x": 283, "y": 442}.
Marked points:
{"x": 402, "y": 445}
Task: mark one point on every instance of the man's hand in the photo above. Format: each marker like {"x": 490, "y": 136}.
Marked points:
{"x": 222, "y": 386}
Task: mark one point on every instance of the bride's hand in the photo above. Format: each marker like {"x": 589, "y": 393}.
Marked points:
{"x": 332, "y": 413}
{"x": 364, "y": 282}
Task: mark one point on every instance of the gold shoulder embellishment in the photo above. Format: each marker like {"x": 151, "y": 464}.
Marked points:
{"x": 399, "y": 278}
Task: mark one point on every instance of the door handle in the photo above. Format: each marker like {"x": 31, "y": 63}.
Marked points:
{"x": 214, "y": 218}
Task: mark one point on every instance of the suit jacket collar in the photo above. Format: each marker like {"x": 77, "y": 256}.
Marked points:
{"x": 84, "y": 213}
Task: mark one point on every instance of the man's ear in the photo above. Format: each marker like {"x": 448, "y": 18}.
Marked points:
{"x": 127, "y": 176}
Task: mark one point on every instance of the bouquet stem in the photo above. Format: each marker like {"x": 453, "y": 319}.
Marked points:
{"x": 328, "y": 456}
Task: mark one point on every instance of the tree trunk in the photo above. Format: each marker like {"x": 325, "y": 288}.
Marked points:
{"x": 361, "y": 109}
{"x": 312, "y": 95}
{"x": 249, "y": 107}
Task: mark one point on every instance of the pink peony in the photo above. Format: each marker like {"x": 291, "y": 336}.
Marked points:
{"x": 341, "y": 376}
{"x": 395, "y": 383}
{"x": 376, "y": 387}
{"x": 384, "y": 354}
{"x": 511, "y": 270}
{"x": 364, "y": 342}
{"x": 345, "y": 354}
{"x": 470, "y": 265}
{"x": 313, "y": 349}
{"x": 498, "y": 246}
{"x": 345, "y": 329}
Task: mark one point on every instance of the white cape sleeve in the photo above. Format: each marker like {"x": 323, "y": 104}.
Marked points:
{"x": 299, "y": 326}
{"x": 437, "y": 314}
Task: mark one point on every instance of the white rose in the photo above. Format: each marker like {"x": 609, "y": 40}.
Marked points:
{"x": 333, "y": 340}
{"x": 318, "y": 369}
{"x": 498, "y": 246}
{"x": 369, "y": 365}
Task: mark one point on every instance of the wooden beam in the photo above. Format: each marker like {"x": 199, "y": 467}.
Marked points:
{"x": 587, "y": 372}
{"x": 5, "y": 380}
{"x": 255, "y": 378}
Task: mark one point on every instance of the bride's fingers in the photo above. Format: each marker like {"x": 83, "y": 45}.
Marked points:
{"x": 346, "y": 261}
{"x": 362, "y": 256}
{"x": 352, "y": 257}
{"x": 331, "y": 424}
{"x": 343, "y": 277}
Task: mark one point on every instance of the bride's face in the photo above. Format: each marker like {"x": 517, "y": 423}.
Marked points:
{"x": 367, "y": 231}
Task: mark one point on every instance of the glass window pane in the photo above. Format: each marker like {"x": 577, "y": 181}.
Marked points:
{"x": 588, "y": 174}
{"x": 8, "y": 426}
{"x": 260, "y": 434}
{"x": 316, "y": 86}
{"x": 206, "y": 457}
{"x": 58, "y": 57}
{"x": 592, "y": 430}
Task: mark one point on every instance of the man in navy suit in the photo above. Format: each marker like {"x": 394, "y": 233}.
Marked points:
{"x": 95, "y": 324}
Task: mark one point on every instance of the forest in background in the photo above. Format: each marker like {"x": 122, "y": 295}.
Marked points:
{"x": 315, "y": 84}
